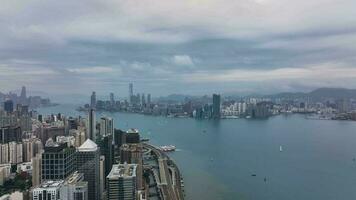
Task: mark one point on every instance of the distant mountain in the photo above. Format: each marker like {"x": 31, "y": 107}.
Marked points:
{"x": 320, "y": 93}
{"x": 336, "y": 93}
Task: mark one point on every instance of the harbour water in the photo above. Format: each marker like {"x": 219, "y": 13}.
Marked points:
{"x": 241, "y": 159}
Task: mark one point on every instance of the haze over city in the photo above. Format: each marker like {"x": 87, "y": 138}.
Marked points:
{"x": 185, "y": 47}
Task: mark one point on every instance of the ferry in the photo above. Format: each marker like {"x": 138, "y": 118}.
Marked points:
{"x": 168, "y": 148}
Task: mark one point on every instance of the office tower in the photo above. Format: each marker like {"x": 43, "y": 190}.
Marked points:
{"x": 106, "y": 126}
{"x": 119, "y": 138}
{"x": 74, "y": 188}
{"x": 48, "y": 190}
{"x": 72, "y": 124}
{"x": 216, "y": 106}
{"x": 132, "y": 154}
{"x": 58, "y": 161}
{"x": 112, "y": 99}
{"x": 143, "y": 99}
{"x": 91, "y": 125}
{"x": 88, "y": 161}
{"x": 121, "y": 182}
{"x": 93, "y": 100}
{"x": 149, "y": 99}
{"x": 51, "y": 132}
{"x": 10, "y": 134}
{"x": 23, "y": 97}
{"x": 107, "y": 149}
{"x": 40, "y": 118}
{"x": 36, "y": 170}
{"x": 102, "y": 174}
{"x": 132, "y": 136}
{"x": 9, "y": 106}
{"x": 131, "y": 93}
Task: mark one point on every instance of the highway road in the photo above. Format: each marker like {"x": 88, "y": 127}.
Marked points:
{"x": 169, "y": 175}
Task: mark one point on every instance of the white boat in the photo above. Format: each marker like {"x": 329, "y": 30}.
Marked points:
{"x": 168, "y": 148}
{"x": 280, "y": 148}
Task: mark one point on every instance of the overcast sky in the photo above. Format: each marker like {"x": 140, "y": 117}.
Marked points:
{"x": 177, "y": 46}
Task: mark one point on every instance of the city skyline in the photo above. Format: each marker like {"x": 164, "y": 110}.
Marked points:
{"x": 190, "y": 47}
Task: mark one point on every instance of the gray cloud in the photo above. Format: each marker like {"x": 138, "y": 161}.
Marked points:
{"x": 189, "y": 46}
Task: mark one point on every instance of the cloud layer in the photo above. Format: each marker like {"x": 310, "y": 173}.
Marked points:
{"x": 177, "y": 46}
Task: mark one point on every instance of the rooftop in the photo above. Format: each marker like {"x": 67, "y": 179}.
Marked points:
{"x": 122, "y": 171}
{"x": 50, "y": 184}
{"x": 132, "y": 130}
{"x": 88, "y": 145}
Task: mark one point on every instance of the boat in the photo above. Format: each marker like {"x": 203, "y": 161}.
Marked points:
{"x": 145, "y": 140}
{"x": 168, "y": 148}
{"x": 280, "y": 148}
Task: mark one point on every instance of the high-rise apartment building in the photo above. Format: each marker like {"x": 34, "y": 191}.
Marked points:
{"x": 36, "y": 170}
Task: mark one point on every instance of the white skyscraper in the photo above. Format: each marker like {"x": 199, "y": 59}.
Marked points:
{"x": 106, "y": 126}
{"x": 91, "y": 128}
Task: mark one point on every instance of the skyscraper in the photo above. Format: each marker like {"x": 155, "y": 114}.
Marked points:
{"x": 93, "y": 100}
{"x": 88, "y": 163}
{"x": 106, "y": 126}
{"x": 132, "y": 154}
{"x": 10, "y": 133}
{"x": 9, "y": 106}
{"x": 23, "y": 97}
{"x": 58, "y": 161}
{"x": 216, "y": 106}
{"x": 148, "y": 99}
{"x": 72, "y": 188}
{"x": 121, "y": 182}
{"x": 91, "y": 129}
{"x": 143, "y": 99}
{"x": 130, "y": 92}
{"x": 36, "y": 170}
{"x": 112, "y": 99}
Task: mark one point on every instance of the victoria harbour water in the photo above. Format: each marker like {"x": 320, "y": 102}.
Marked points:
{"x": 218, "y": 157}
